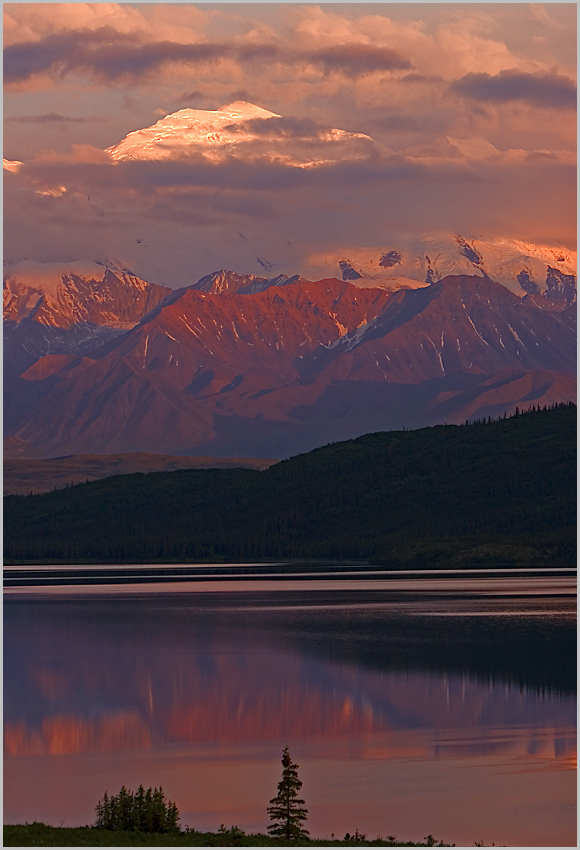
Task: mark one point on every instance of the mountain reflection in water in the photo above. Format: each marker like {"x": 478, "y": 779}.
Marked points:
{"x": 149, "y": 674}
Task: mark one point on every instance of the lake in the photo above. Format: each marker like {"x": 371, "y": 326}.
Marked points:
{"x": 414, "y": 704}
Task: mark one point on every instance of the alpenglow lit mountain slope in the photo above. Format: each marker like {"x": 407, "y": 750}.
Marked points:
{"x": 242, "y": 284}
{"x": 293, "y": 367}
{"x": 62, "y": 308}
{"x": 229, "y": 281}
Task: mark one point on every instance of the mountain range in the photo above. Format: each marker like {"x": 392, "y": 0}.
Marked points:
{"x": 428, "y": 328}
{"x": 546, "y": 274}
{"x": 245, "y": 147}
{"x": 240, "y": 366}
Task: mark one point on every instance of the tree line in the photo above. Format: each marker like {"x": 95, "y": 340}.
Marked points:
{"x": 500, "y": 492}
{"x": 150, "y": 811}
{"x": 144, "y": 811}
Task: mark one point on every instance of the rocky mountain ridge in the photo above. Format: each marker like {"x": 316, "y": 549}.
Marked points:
{"x": 276, "y": 372}
{"x": 225, "y": 280}
{"x": 62, "y": 308}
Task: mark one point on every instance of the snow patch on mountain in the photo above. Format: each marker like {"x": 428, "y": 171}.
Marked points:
{"x": 62, "y": 294}
{"x": 242, "y": 130}
{"x": 478, "y": 149}
{"x": 522, "y": 267}
{"x": 187, "y": 129}
{"x": 48, "y": 277}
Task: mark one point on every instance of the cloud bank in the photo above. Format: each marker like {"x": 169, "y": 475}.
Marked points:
{"x": 459, "y": 117}
{"x": 550, "y": 91}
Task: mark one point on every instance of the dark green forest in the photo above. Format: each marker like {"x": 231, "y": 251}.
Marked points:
{"x": 487, "y": 493}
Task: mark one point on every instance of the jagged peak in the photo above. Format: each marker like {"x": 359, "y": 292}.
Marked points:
{"x": 226, "y": 280}
{"x": 33, "y": 270}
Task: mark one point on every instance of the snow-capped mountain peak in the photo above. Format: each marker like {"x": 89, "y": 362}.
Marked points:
{"x": 237, "y": 130}
{"x": 62, "y": 294}
{"x": 244, "y": 111}
{"x": 547, "y": 272}
{"x": 189, "y": 129}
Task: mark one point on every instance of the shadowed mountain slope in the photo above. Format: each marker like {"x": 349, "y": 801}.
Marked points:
{"x": 501, "y": 492}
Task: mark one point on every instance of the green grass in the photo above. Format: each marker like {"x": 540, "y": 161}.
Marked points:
{"x": 40, "y": 835}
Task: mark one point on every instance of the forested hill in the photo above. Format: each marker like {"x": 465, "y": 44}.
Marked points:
{"x": 500, "y": 492}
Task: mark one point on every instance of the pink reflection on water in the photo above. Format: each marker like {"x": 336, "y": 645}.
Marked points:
{"x": 169, "y": 697}
{"x": 508, "y": 799}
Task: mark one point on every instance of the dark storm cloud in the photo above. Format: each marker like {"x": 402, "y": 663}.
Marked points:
{"x": 421, "y": 79}
{"x": 146, "y": 179}
{"x": 398, "y": 121}
{"x": 250, "y": 52}
{"x": 47, "y": 118}
{"x": 112, "y": 55}
{"x": 59, "y": 51}
{"x": 280, "y": 128}
{"x": 344, "y": 204}
{"x": 231, "y": 175}
{"x": 205, "y": 205}
{"x": 104, "y": 52}
{"x": 358, "y": 59}
{"x": 188, "y": 96}
{"x": 548, "y": 90}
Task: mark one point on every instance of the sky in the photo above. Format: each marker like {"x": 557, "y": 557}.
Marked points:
{"x": 466, "y": 115}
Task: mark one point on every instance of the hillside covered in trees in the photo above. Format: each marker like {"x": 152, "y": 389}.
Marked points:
{"x": 489, "y": 493}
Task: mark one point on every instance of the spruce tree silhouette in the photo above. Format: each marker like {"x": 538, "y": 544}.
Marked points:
{"x": 143, "y": 811}
{"x": 286, "y": 810}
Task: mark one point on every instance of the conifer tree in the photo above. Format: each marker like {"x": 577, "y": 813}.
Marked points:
{"x": 286, "y": 810}
{"x": 144, "y": 811}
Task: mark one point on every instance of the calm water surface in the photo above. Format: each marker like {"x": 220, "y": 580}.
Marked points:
{"x": 412, "y": 706}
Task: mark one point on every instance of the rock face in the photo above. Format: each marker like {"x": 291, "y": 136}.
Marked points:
{"x": 64, "y": 308}
{"x": 243, "y": 284}
{"x": 289, "y": 368}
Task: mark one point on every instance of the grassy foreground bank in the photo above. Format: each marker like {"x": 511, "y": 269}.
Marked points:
{"x": 40, "y": 835}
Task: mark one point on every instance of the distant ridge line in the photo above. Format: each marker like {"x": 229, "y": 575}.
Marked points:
{"x": 29, "y": 475}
